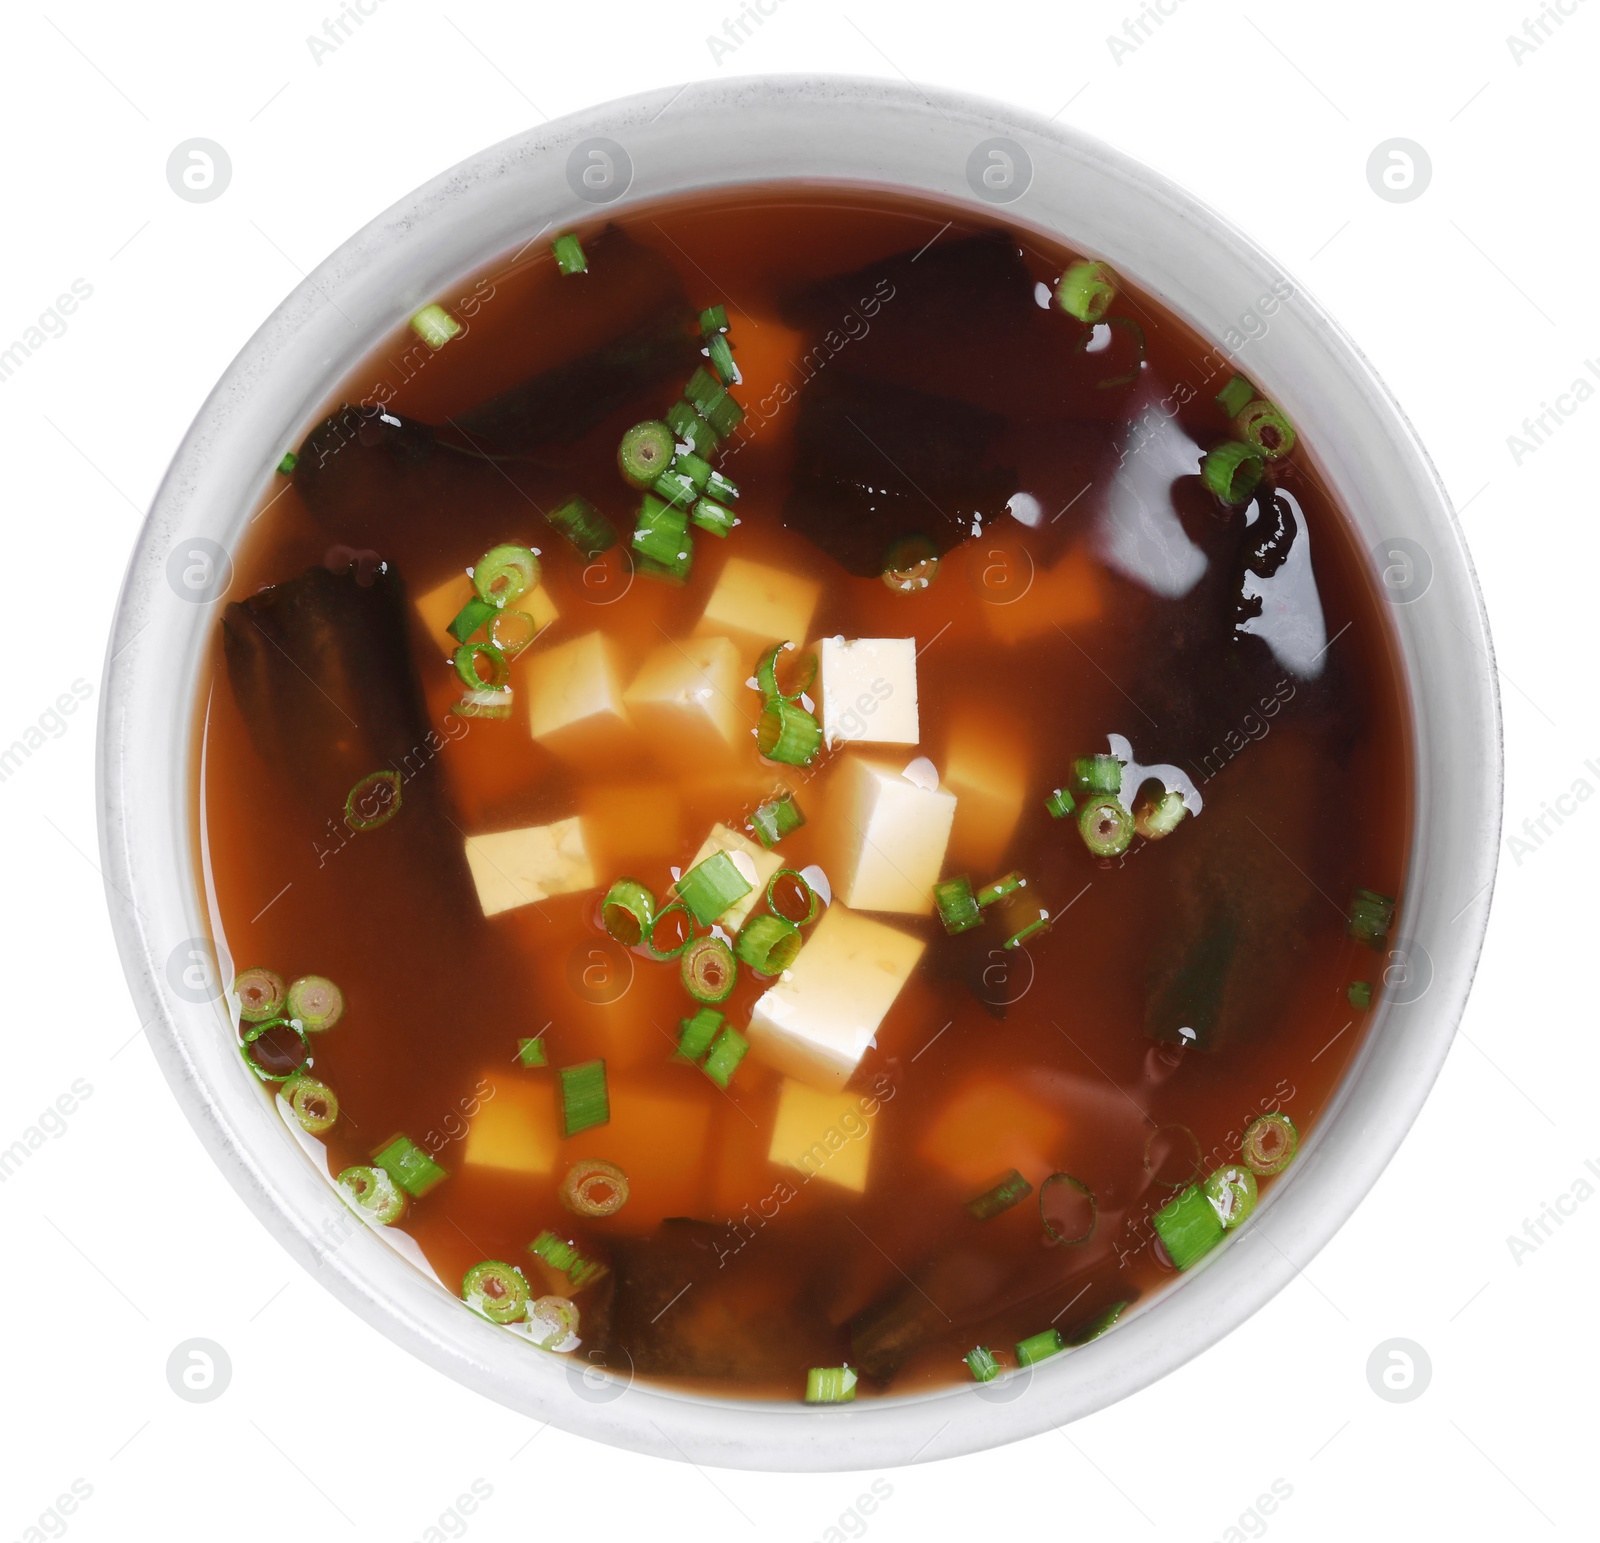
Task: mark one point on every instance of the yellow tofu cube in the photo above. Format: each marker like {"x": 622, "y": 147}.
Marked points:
{"x": 986, "y": 768}
{"x": 515, "y": 1127}
{"x": 766, "y": 864}
{"x": 764, "y": 603}
{"x": 693, "y": 695}
{"x": 822, "y": 1133}
{"x": 885, "y": 837}
{"x": 442, "y": 604}
{"x": 821, "y": 1016}
{"x": 868, "y": 690}
{"x": 517, "y": 867}
{"x": 574, "y": 693}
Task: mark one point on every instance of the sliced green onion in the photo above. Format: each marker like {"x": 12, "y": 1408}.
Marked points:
{"x": 671, "y": 932}
{"x": 530, "y": 1052}
{"x": 721, "y": 488}
{"x": 1086, "y": 291}
{"x": 958, "y": 906}
{"x": 710, "y": 887}
{"x": 594, "y": 1187}
{"x": 569, "y": 254}
{"x": 714, "y": 319}
{"x": 468, "y": 659}
{"x": 627, "y": 912}
{"x": 1010, "y": 1191}
{"x": 712, "y": 517}
{"x": 910, "y": 565}
{"x": 1359, "y": 994}
{"x": 1231, "y": 471}
{"x": 774, "y": 819}
{"x": 483, "y": 702}
{"x": 562, "y": 1256}
{"x": 982, "y": 1364}
{"x": 708, "y": 970}
{"x": 768, "y": 944}
{"x": 1025, "y": 926}
{"x": 1232, "y": 1193}
{"x": 470, "y": 618}
{"x": 1188, "y": 1227}
{"x": 697, "y": 470}
{"x": 499, "y": 1291}
{"x": 696, "y": 1034}
{"x": 645, "y": 452}
{"x": 1266, "y": 429}
{"x": 1067, "y": 1208}
{"x": 435, "y": 326}
{"x": 725, "y": 1056}
{"x": 315, "y": 1104}
{"x": 260, "y": 993}
{"x": 375, "y": 1192}
{"x": 1371, "y": 916}
{"x": 1172, "y": 1156}
{"x": 1114, "y": 325}
{"x": 1098, "y": 1325}
{"x": 1106, "y": 827}
{"x": 1001, "y": 889}
{"x": 790, "y": 895}
{"x": 786, "y": 732}
{"x": 511, "y": 631}
{"x": 287, "y": 465}
{"x": 676, "y": 487}
{"x": 1060, "y": 804}
{"x": 552, "y": 1322}
{"x": 661, "y": 533}
{"x": 724, "y": 414}
{"x": 1154, "y": 818}
{"x": 409, "y": 1166}
{"x": 583, "y": 526}
{"x": 1097, "y": 774}
{"x": 1269, "y": 1143}
{"x": 721, "y": 356}
{"x": 1039, "y": 1347}
{"x": 373, "y": 801}
{"x": 802, "y": 672}
{"x": 830, "y": 1385}
{"x": 702, "y": 389}
{"x": 691, "y": 429}
{"x": 669, "y": 573}
{"x": 505, "y": 573}
{"x": 275, "y": 1050}
{"x": 316, "y": 1002}
{"x": 585, "y": 1102}
{"x": 1235, "y": 396}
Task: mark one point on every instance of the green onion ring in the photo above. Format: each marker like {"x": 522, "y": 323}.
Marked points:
{"x": 1058, "y": 1184}
{"x": 768, "y": 944}
{"x": 594, "y": 1187}
{"x": 813, "y": 904}
{"x": 466, "y": 660}
{"x": 360, "y": 799}
{"x": 627, "y": 912}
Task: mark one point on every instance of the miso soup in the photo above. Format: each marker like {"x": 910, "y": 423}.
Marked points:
{"x": 805, "y": 791}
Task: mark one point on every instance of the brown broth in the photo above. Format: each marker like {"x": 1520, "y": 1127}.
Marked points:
{"x": 770, "y": 1270}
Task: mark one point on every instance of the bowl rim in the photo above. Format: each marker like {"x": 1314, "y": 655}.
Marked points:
{"x": 713, "y": 133}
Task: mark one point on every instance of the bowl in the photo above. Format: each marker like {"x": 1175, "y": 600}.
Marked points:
{"x": 988, "y": 157}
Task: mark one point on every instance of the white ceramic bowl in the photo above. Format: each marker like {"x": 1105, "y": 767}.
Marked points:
{"x": 871, "y": 132}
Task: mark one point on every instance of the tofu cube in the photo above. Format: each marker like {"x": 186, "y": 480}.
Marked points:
{"x": 825, "y": 1134}
{"x": 868, "y": 690}
{"x": 515, "y": 1127}
{"x": 986, "y": 768}
{"x": 518, "y": 867}
{"x": 820, "y": 1018}
{"x": 764, "y": 603}
{"x": 442, "y": 604}
{"x": 575, "y": 705}
{"x": 766, "y": 863}
{"x": 884, "y": 836}
{"x": 693, "y": 695}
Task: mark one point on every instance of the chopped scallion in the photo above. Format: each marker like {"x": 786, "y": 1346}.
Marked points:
{"x": 676, "y": 487}
{"x": 505, "y": 573}
{"x": 696, "y": 1034}
{"x": 511, "y": 631}
{"x": 725, "y": 1056}
{"x": 260, "y": 993}
{"x": 1232, "y": 1193}
{"x": 473, "y": 615}
{"x": 482, "y": 667}
{"x": 710, "y": 887}
{"x": 1096, "y": 774}
{"x": 375, "y": 1193}
{"x": 958, "y": 906}
{"x": 373, "y": 801}
{"x": 786, "y": 732}
{"x": 1359, "y": 994}
{"x": 1011, "y": 1190}
{"x": 409, "y": 1166}
{"x": 714, "y": 319}
{"x": 1086, "y": 291}
{"x": 483, "y": 702}
{"x": 315, "y": 1001}
{"x": 1231, "y": 471}
{"x": 1269, "y": 1143}
{"x": 691, "y": 429}
{"x": 435, "y": 326}
{"x": 1060, "y": 804}
{"x": 499, "y": 1291}
{"x": 1154, "y": 818}
{"x": 1371, "y": 916}
{"x": 1106, "y": 827}
{"x": 585, "y": 1102}
{"x": 661, "y": 538}
{"x": 721, "y": 488}
{"x": 275, "y": 1050}
{"x": 721, "y": 356}
{"x": 801, "y": 672}
{"x": 1026, "y": 922}
{"x": 712, "y": 517}
{"x": 1039, "y": 1347}
{"x": 287, "y": 465}
{"x": 315, "y": 1104}
{"x": 594, "y": 1187}
{"x": 830, "y": 1385}
{"x": 708, "y": 970}
{"x": 774, "y": 819}
{"x": 1068, "y": 1209}
{"x": 790, "y": 895}
{"x": 982, "y": 1364}
{"x": 564, "y": 1258}
{"x": 627, "y": 912}
{"x": 768, "y": 944}
{"x": 645, "y": 452}
{"x": 553, "y": 1323}
{"x": 702, "y": 388}
{"x": 530, "y": 1052}
{"x": 1098, "y": 1325}
{"x": 1001, "y": 889}
{"x": 671, "y": 932}
{"x": 583, "y": 526}
{"x": 1266, "y": 429}
{"x": 569, "y": 254}
{"x": 1235, "y": 396}
{"x": 1188, "y": 1227}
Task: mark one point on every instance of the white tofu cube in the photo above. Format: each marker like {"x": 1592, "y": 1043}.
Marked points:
{"x": 884, "y": 836}
{"x": 766, "y": 604}
{"x": 518, "y": 867}
{"x": 823, "y": 1133}
{"x": 820, "y": 1018}
{"x": 442, "y": 604}
{"x": 766, "y": 864}
{"x": 575, "y": 694}
{"x": 868, "y": 690}
{"x": 986, "y": 768}
{"x": 693, "y": 691}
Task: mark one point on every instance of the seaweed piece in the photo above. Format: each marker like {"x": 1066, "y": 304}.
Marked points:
{"x": 875, "y": 464}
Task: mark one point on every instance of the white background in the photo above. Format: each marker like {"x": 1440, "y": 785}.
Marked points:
{"x": 1477, "y": 301}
